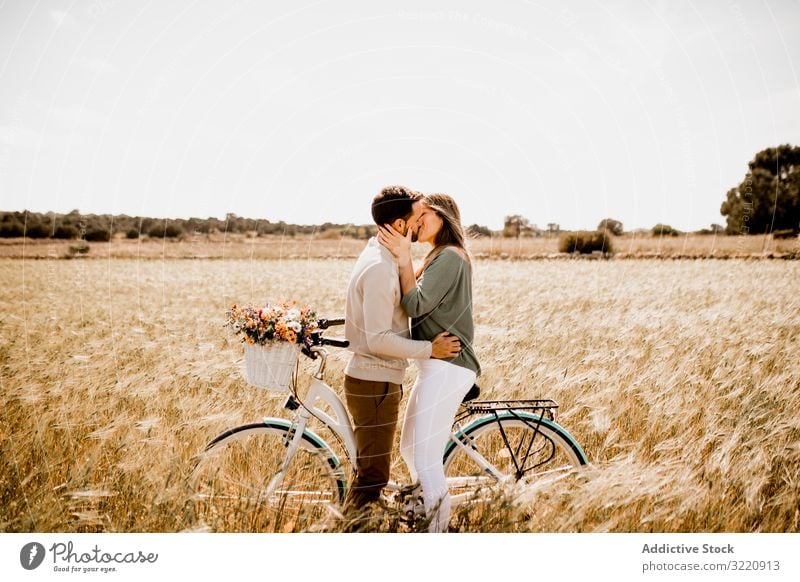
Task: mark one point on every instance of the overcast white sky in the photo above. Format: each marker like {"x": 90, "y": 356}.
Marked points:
{"x": 301, "y": 111}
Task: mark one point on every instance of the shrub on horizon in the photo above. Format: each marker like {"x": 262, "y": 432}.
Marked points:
{"x": 664, "y": 230}
{"x": 11, "y": 229}
{"x": 585, "y": 242}
{"x": 97, "y": 234}
{"x": 66, "y": 231}
{"x": 169, "y": 231}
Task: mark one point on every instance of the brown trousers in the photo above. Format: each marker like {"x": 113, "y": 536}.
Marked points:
{"x": 374, "y": 407}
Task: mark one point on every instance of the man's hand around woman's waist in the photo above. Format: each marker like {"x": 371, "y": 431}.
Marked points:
{"x": 445, "y": 346}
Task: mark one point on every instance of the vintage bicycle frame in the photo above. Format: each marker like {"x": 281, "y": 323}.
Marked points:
{"x": 322, "y": 393}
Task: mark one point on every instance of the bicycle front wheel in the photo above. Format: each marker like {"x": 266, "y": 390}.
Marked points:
{"x": 509, "y": 447}
{"x": 239, "y": 485}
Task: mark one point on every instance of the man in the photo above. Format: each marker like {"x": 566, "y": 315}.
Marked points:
{"x": 378, "y": 331}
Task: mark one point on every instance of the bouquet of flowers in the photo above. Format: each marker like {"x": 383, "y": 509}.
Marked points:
{"x": 271, "y": 334}
{"x": 279, "y": 322}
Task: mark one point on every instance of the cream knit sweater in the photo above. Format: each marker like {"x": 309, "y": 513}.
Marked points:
{"x": 375, "y": 324}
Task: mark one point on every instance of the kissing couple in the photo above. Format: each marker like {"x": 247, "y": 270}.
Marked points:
{"x": 395, "y": 313}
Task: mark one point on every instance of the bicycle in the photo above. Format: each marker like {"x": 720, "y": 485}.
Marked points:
{"x": 242, "y": 469}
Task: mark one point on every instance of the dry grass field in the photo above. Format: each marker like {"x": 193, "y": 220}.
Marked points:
{"x": 680, "y": 379}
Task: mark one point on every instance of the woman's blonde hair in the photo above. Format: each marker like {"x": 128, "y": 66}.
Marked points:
{"x": 452, "y": 232}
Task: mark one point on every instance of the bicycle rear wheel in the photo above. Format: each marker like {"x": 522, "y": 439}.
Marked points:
{"x": 236, "y": 488}
{"x": 509, "y": 447}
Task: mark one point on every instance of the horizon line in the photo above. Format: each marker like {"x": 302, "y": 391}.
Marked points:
{"x": 275, "y": 221}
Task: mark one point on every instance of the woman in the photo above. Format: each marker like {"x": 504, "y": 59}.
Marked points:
{"x": 437, "y": 298}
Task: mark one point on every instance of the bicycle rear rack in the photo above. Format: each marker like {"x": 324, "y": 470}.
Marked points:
{"x": 540, "y": 409}
{"x": 544, "y": 406}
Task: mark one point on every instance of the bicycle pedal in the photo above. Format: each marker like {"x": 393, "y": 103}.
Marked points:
{"x": 291, "y": 403}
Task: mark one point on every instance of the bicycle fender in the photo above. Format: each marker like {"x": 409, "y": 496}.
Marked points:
{"x": 308, "y": 434}
{"x": 490, "y": 418}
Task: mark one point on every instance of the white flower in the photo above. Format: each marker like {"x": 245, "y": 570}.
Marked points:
{"x": 294, "y": 326}
{"x": 293, "y": 314}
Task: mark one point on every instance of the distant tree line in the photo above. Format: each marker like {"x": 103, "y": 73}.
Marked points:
{"x": 102, "y": 227}
{"x": 516, "y": 226}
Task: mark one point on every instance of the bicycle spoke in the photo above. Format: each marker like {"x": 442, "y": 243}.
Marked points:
{"x": 521, "y": 450}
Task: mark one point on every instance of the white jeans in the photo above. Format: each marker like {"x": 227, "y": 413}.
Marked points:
{"x": 432, "y": 406}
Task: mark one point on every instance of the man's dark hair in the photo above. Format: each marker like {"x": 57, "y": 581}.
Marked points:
{"x": 393, "y": 202}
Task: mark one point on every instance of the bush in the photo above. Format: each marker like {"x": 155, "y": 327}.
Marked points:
{"x": 66, "y": 231}
{"x": 132, "y": 233}
{"x": 477, "y": 231}
{"x": 98, "y": 235}
{"x": 586, "y": 242}
{"x": 147, "y": 224}
{"x": 330, "y": 234}
{"x": 173, "y": 231}
{"x": 78, "y": 249}
{"x": 37, "y": 230}
{"x": 170, "y": 231}
{"x": 11, "y": 229}
{"x": 615, "y": 226}
{"x": 665, "y": 230}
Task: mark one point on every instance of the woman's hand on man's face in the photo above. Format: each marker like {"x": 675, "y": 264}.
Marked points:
{"x": 398, "y": 245}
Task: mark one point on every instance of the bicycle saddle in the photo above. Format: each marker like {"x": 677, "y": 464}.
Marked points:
{"x": 473, "y": 393}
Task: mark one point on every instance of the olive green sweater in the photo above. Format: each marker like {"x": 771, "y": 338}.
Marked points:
{"x": 442, "y": 301}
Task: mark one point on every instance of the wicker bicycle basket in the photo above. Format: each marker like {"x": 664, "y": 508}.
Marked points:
{"x": 270, "y": 366}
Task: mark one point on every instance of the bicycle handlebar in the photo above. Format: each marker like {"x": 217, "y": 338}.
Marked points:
{"x": 326, "y": 323}
{"x": 316, "y": 339}
{"x": 337, "y": 343}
